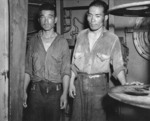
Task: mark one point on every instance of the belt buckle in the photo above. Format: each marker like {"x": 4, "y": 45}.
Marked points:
{"x": 58, "y": 87}
{"x": 94, "y": 76}
{"x": 33, "y": 87}
{"x": 47, "y": 90}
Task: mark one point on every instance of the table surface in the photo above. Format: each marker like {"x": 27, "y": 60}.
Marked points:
{"x": 137, "y": 95}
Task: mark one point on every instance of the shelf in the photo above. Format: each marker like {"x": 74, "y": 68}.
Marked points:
{"x": 34, "y": 4}
{"x": 76, "y": 8}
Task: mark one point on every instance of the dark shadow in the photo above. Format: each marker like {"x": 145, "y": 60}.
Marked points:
{"x": 119, "y": 111}
{"x": 148, "y": 73}
{"x": 36, "y": 23}
{"x": 85, "y": 25}
{"x": 149, "y": 58}
{"x": 25, "y": 110}
{"x": 111, "y": 108}
{"x": 112, "y": 78}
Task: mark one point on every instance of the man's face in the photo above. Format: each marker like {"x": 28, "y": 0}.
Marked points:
{"x": 47, "y": 20}
{"x": 96, "y": 17}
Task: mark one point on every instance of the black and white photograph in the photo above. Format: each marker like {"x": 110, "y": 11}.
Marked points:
{"x": 75, "y": 60}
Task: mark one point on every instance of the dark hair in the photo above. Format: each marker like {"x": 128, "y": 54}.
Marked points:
{"x": 100, "y": 3}
{"x": 47, "y": 6}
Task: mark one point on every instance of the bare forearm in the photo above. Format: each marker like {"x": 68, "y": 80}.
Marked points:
{"x": 121, "y": 77}
{"x": 65, "y": 84}
{"x": 72, "y": 77}
{"x": 26, "y": 81}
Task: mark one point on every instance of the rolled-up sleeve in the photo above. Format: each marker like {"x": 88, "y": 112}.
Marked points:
{"x": 74, "y": 69}
{"x": 28, "y": 58}
{"x": 66, "y": 58}
{"x": 73, "y": 66}
{"x": 117, "y": 59}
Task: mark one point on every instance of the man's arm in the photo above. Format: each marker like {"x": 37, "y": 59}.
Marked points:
{"x": 26, "y": 83}
{"x": 63, "y": 99}
{"x": 72, "y": 90}
{"x": 118, "y": 62}
{"x": 28, "y": 68}
{"x": 65, "y": 84}
{"x": 65, "y": 72}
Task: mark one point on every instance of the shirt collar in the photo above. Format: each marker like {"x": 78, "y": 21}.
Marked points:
{"x": 103, "y": 31}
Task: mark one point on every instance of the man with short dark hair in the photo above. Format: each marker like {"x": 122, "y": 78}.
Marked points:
{"x": 96, "y": 48}
{"x": 48, "y": 69}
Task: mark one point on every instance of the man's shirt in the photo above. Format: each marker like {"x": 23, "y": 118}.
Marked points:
{"x": 105, "y": 51}
{"x": 51, "y": 65}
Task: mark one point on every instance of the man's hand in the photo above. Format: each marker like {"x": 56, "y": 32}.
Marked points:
{"x": 134, "y": 83}
{"x": 63, "y": 101}
{"x": 72, "y": 90}
{"x": 25, "y": 99}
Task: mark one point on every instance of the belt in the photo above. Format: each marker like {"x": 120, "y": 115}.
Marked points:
{"x": 91, "y": 76}
{"x": 57, "y": 86}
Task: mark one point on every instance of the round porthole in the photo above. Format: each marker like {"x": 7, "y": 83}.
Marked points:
{"x": 141, "y": 36}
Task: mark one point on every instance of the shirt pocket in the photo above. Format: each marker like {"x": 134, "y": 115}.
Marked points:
{"x": 103, "y": 57}
{"x": 101, "y": 62}
{"x": 57, "y": 58}
{"x": 36, "y": 62}
{"x": 56, "y": 64}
